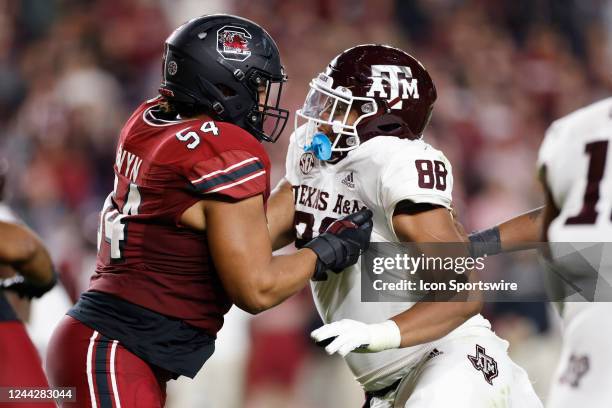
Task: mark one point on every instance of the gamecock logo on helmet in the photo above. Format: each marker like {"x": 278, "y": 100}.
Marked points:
{"x": 233, "y": 43}
{"x": 400, "y": 84}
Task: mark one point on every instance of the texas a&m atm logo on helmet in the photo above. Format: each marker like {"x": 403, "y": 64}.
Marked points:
{"x": 399, "y": 81}
{"x": 367, "y": 91}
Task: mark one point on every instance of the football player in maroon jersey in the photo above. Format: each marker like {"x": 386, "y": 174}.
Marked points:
{"x": 184, "y": 234}
{"x": 21, "y": 252}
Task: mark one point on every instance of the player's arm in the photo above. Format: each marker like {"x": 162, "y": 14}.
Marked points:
{"x": 24, "y": 252}
{"x": 231, "y": 211}
{"x": 550, "y": 211}
{"x": 428, "y": 321}
{"x": 423, "y": 322}
{"x": 280, "y": 212}
{"x": 241, "y": 249}
{"x": 521, "y": 232}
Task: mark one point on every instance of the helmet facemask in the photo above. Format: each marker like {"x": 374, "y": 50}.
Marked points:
{"x": 267, "y": 119}
{"x": 326, "y": 106}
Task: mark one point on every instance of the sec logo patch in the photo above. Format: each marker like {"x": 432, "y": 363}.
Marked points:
{"x": 307, "y": 162}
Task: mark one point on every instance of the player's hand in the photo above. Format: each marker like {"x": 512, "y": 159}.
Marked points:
{"x": 26, "y": 289}
{"x": 347, "y": 335}
{"x": 342, "y": 243}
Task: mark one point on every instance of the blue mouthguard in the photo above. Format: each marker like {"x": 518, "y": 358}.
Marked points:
{"x": 320, "y": 146}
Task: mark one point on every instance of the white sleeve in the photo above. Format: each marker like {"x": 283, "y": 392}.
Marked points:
{"x": 291, "y": 163}
{"x": 553, "y": 155}
{"x": 423, "y": 178}
{"x": 547, "y": 149}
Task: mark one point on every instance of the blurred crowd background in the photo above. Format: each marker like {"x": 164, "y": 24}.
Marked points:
{"x": 71, "y": 72}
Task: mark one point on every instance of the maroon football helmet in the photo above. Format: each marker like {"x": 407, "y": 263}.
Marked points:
{"x": 390, "y": 91}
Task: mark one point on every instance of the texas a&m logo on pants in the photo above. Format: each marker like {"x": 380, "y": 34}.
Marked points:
{"x": 482, "y": 362}
{"x": 233, "y": 43}
{"x": 577, "y": 367}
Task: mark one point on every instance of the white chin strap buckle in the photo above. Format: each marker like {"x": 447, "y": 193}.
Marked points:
{"x": 337, "y": 126}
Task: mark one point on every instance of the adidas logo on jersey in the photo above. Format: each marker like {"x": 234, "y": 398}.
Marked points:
{"x": 349, "y": 181}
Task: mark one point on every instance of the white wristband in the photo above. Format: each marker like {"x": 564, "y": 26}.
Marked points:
{"x": 384, "y": 336}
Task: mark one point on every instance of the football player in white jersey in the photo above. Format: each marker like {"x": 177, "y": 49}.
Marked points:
{"x": 576, "y": 173}
{"x": 361, "y": 146}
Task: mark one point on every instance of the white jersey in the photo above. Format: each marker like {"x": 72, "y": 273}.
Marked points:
{"x": 379, "y": 174}
{"x": 576, "y": 154}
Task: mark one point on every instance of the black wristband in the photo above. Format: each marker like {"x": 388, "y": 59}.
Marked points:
{"x": 485, "y": 242}
{"x": 326, "y": 246}
{"x": 27, "y": 289}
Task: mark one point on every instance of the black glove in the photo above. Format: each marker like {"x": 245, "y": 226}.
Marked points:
{"x": 26, "y": 289}
{"x": 342, "y": 243}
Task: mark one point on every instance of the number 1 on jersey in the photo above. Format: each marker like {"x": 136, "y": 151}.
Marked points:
{"x": 597, "y": 152}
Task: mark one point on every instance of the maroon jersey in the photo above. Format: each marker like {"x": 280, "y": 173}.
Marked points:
{"x": 162, "y": 168}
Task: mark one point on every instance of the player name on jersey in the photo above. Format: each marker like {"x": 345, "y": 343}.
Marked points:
{"x": 132, "y": 164}
{"x": 317, "y": 199}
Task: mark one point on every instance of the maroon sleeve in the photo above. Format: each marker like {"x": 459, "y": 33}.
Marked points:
{"x": 237, "y": 174}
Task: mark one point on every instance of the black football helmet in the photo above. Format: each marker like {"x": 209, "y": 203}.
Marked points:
{"x": 219, "y": 62}
{"x": 390, "y": 91}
